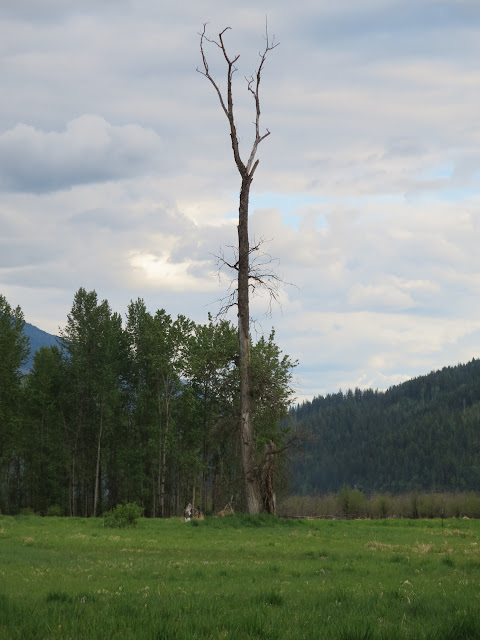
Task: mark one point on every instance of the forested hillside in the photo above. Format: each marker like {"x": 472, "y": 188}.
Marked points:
{"x": 422, "y": 434}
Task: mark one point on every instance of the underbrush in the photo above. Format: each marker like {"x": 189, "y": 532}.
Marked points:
{"x": 352, "y": 503}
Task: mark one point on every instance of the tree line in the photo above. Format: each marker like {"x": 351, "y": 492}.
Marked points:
{"x": 145, "y": 411}
{"x": 422, "y": 435}
{"x": 351, "y": 504}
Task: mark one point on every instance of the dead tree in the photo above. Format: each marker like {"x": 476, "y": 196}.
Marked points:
{"x": 251, "y": 472}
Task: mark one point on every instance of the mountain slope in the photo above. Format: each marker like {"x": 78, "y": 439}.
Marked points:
{"x": 37, "y": 338}
{"x": 422, "y": 434}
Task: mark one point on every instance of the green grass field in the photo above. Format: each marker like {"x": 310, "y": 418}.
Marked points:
{"x": 239, "y": 577}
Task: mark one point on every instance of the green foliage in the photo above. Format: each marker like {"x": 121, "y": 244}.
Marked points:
{"x": 146, "y": 413}
{"x": 382, "y": 506}
{"x": 122, "y": 516}
{"x": 54, "y": 510}
{"x": 351, "y": 502}
{"x": 271, "y": 381}
{"x": 14, "y": 350}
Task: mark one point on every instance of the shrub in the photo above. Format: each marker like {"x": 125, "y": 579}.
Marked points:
{"x": 54, "y": 510}
{"x": 472, "y": 506}
{"x": 382, "y": 506}
{"x": 27, "y": 511}
{"x": 124, "y": 515}
{"x": 351, "y": 502}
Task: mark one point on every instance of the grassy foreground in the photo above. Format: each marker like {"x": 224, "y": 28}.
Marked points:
{"x": 239, "y": 577}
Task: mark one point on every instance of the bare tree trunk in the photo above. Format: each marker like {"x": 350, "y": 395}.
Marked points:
{"x": 163, "y": 475}
{"x": 247, "y": 440}
{"x": 97, "y": 470}
{"x": 72, "y": 488}
{"x": 162, "y": 454}
{"x": 214, "y": 490}
{"x": 177, "y": 501}
{"x": 7, "y": 497}
{"x": 154, "y": 505}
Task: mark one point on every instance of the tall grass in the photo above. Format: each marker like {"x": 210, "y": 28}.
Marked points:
{"x": 239, "y": 577}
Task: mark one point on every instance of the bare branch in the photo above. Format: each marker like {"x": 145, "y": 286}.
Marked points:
{"x": 227, "y": 105}
{"x": 262, "y": 276}
{"x": 253, "y": 86}
{"x": 206, "y": 71}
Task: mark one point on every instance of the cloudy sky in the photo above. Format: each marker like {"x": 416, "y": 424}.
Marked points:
{"x": 116, "y": 171}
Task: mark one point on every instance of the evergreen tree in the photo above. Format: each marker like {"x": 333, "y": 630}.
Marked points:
{"x": 14, "y": 351}
{"x": 46, "y": 448}
{"x": 94, "y": 342}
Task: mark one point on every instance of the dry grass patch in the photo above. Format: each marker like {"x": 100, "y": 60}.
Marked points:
{"x": 422, "y": 547}
{"x": 373, "y": 545}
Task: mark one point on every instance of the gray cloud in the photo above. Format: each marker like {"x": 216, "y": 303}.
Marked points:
{"x": 89, "y": 150}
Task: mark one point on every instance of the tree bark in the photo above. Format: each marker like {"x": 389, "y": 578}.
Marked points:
{"x": 268, "y": 477}
{"x": 247, "y": 439}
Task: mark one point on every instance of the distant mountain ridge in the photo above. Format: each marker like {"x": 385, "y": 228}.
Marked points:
{"x": 37, "y": 338}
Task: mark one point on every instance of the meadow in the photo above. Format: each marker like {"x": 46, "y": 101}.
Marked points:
{"x": 239, "y": 577}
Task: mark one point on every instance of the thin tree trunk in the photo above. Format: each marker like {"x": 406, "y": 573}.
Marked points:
{"x": 268, "y": 477}
{"x": 214, "y": 488}
{"x": 7, "y": 497}
{"x": 97, "y": 471}
{"x": 72, "y": 494}
{"x": 159, "y": 476}
{"x": 154, "y": 505}
{"x": 164, "y": 453}
{"x": 177, "y": 501}
{"x": 204, "y": 477}
{"x": 161, "y": 455}
{"x": 162, "y": 472}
